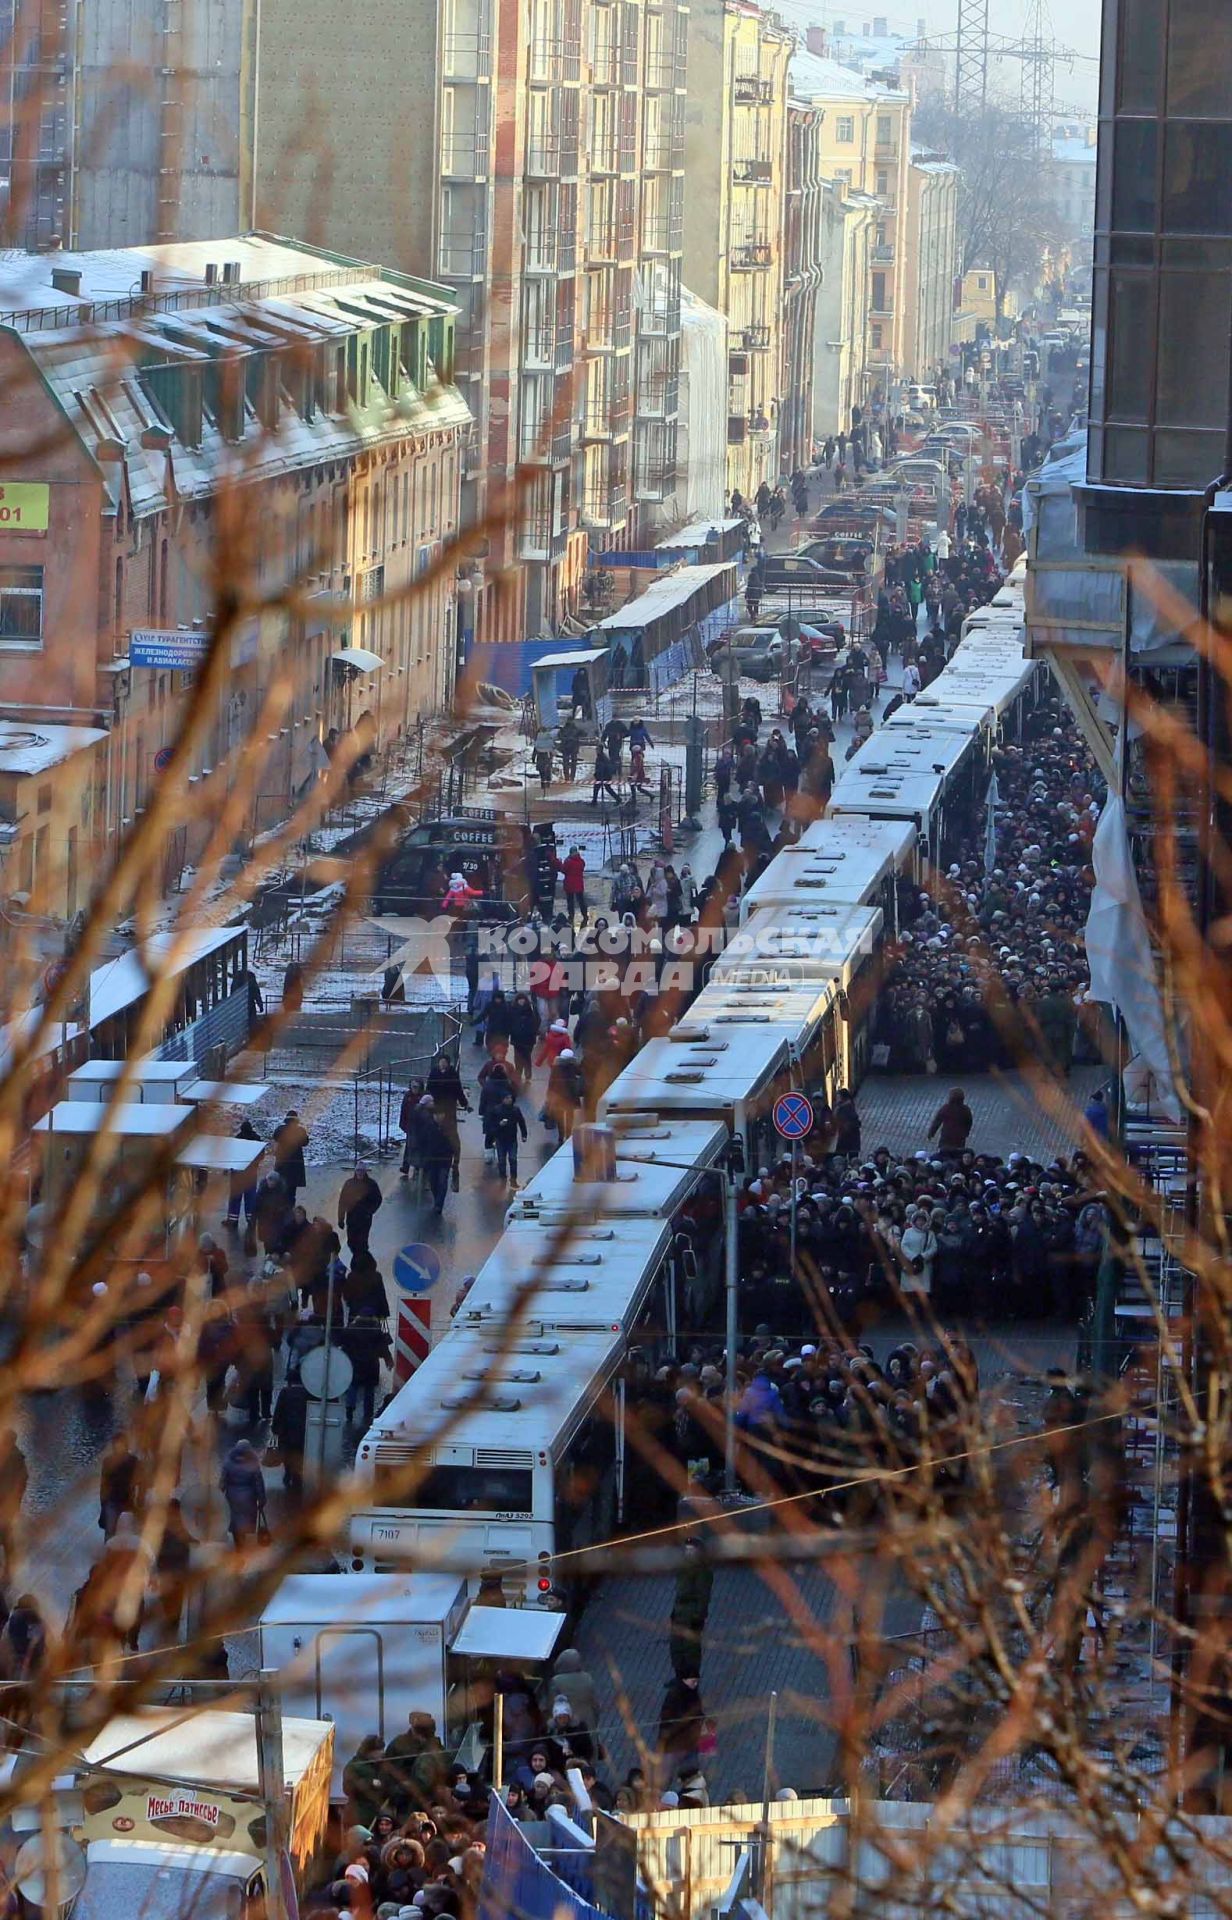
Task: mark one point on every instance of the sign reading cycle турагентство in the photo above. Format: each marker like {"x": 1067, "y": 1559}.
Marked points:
{"x": 24, "y": 506}
{"x": 165, "y": 647}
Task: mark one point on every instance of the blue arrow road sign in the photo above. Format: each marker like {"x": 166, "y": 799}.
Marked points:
{"x": 793, "y": 1116}
{"x": 417, "y": 1267}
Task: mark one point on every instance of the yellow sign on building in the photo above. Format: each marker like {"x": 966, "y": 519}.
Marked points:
{"x": 24, "y": 506}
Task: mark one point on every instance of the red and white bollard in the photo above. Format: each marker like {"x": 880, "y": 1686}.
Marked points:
{"x": 413, "y": 1340}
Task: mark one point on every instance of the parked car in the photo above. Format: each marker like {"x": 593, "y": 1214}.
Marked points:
{"x": 787, "y": 572}
{"x": 842, "y": 552}
{"x": 757, "y": 653}
{"x": 853, "y": 512}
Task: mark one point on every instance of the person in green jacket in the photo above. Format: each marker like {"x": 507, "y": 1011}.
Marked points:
{"x": 362, "y": 1781}
{"x": 690, "y": 1609}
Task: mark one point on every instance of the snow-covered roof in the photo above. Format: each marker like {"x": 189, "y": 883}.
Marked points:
{"x": 1071, "y": 150}
{"x": 26, "y": 750}
{"x": 179, "y": 266}
{"x": 92, "y": 347}
{"x": 666, "y": 594}
{"x": 121, "y": 982}
{"x": 814, "y": 77}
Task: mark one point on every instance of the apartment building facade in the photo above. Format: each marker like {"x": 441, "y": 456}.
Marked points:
{"x": 848, "y": 235}
{"x": 803, "y": 249}
{"x": 930, "y": 263}
{"x": 534, "y": 155}
{"x": 290, "y": 408}
{"x": 125, "y": 121}
{"x": 736, "y": 173}
{"x": 866, "y": 144}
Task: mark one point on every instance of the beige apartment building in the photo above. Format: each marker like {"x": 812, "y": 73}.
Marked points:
{"x": 930, "y": 263}
{"x": 803, "y": 249}
{"x": 848, "y": 230}
{"x": 530, "y": 155}
{"x": 736, "y": 169}
{"x": 866, "y": 145}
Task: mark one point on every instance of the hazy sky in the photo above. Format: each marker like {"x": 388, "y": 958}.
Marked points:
{"x": 1075, "y": 25}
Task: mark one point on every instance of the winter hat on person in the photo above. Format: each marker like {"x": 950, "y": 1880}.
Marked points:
{"x": 545, "y": 1781}
{"x": 567, "y": 1053}
{"x": 457, "y": 879}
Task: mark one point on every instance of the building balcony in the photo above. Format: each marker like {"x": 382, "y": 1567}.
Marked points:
{"x": 755, "y": 339}
{"x": 752, "y": 256}
{"x": 550, "y": 445}
{"x": 655, "y": 482}
{"x": 659, "y": 398}
{"x": 544, "y": 67}
{"x": 660, "y": 321}
{"x": 663, "y": 73}
{"x": 539, "y": 541}
{"x": 617, "y": 161}
{"x": 664, "y": 154}
{"x": 605, "y": 506}
{"x": 610, "y": 244}
{"x": 752, "y": 173}
{"x": 886, "y": 150}
{"x": 550, "y": 260}
{"x": 467, "y": 56}
{"x": 542, "y": 156}
{"x": 462, "y": 256}
{"x": 540, "y": 348}
{"x": 663, "y": 233}
{"x": 465, "y": 156}
{"x": 749, "y": 90}
{"x": 610, "y": 422}
{"x": 615, "y": 336}
{"x": 883, "y": 312}
{"x": 883, "y": 253}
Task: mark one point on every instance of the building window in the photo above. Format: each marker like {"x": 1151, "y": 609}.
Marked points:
{"x": 877, "y": 338}
{"x": 845, "y": 129}
{"x": 883, "y": 181}
{"x": 21, "y": 607}
{"x": 884, "y": 130}
{"x": 843, "y": 174}
{"x": 981, "y": 281}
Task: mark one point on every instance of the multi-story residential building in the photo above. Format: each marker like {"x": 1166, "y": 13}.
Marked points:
{"x": 1073, "y": 185}
{"x": 535, "y": 155}
{"x": 803, "y": 251}
{"x": 866, "y": 143}
{"x": 930, "y": 262}
{"x": 125, "y": 121}
{"x": 849, "y": 221}
{"x": 736, "y": 163}
{"x": 146, "y": 391}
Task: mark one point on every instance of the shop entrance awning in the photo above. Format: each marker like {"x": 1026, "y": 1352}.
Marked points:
{"x": 357, "y": 658}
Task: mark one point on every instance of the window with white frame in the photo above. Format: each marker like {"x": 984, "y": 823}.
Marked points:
{"x": 845, "y": 129}
{"x": 21, "y": 607}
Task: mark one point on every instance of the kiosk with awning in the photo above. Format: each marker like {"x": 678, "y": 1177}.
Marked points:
{"x": 573, "y": 682}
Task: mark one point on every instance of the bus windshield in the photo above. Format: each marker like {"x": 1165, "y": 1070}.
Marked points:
{"x": 449, "y": 1489}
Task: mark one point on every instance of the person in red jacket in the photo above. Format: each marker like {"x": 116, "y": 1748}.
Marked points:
{"x": 574, "y": 870}
{"x": 554, "y": 1041}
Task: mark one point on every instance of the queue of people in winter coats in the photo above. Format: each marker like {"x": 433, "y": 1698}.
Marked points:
{"x": 996, "y": 952}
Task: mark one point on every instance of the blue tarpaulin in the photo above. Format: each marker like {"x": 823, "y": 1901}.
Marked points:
{"x": 517, "y": 1882}
{"x": 508, "y": 663}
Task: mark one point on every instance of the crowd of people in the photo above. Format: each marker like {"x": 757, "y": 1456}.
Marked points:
{"x": 993, "y": 958}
